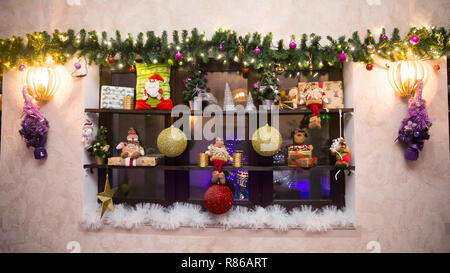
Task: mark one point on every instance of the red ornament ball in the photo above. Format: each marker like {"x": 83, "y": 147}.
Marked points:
{"x": 369, "y": 67}
{"x": 436, "y": 67}
{"x": 218, "y": 199}
{"x": 110, "y": 60}
{"x": 132, "y": 69}
{"x": 245, "y": 70}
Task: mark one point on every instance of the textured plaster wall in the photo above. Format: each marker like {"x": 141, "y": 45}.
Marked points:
{"x": 402, "y": 205}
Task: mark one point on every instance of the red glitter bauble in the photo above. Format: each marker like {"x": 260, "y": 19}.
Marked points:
{"x": 436, "y": 67}
{"x": 132, "y": 69}
{"x": 369, "y": 67}
{"x": 245, "y": 70}
{"x": 110, "y": 59}
{"x": 218, "y": 199}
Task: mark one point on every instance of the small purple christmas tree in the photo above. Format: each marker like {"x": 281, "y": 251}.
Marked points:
{"x": 34, "y": 126}
{"x": 414, "y": 129}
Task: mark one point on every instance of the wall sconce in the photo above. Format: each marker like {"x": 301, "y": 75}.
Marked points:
{"x": 42, "y": 82}
{"x": 403, "y": 76}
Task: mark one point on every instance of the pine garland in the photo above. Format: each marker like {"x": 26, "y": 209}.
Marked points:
{"x": 223, "y": 45}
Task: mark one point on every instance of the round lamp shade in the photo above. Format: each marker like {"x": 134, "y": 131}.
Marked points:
{"x": 266, "y": 140}
{"x": 402, "y": 76}
{"x": 42, "y": 82}
{"x": 172, "y": 142}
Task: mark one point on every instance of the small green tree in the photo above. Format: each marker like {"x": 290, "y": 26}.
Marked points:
{"x": 100, "y": 147}
{"x": 196, "y": 79}
{"x": 267, "y": 88}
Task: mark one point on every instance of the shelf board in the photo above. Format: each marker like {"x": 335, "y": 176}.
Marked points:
{"x": 209, "y": 168}
{"x": 199, "y": 113}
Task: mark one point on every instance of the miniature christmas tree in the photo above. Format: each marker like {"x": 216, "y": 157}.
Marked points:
{"x": 100, "y": 147}
{"x": 194, "y": 82}
{"x": 228, "y": 103}
{"x": 267, "y": 88}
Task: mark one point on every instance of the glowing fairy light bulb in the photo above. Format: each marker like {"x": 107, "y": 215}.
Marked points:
{"x": 155, "y": 61}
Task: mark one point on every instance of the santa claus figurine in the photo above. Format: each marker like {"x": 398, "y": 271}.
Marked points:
{"x": 152, "y": 96}
{"x": 314, "y": 99}
{"x": 219, "y": 156}
{"x": 131, "y": 149}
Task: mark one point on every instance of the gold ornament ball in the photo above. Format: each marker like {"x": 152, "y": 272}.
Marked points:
{"x": 172, "y": 142}
{"x": 266, "y": 141}
{"x": 279, "y": 69}
{"x": 371, "y": 48}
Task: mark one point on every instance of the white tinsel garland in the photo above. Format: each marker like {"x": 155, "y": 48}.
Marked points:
{"x": 184, "y": 214}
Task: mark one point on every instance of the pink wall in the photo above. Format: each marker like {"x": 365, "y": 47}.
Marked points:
{"x": 402, "y": 205}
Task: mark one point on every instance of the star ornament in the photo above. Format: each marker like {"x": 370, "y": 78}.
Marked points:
{"x": 106, "y": 197}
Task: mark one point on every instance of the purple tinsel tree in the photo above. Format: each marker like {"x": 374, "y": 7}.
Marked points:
{"x": 34, "y": 126}
{"x": 414, "y": 129}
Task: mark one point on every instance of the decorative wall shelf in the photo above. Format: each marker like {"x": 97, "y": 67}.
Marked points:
{"x": 181, "y": 177}
{"x": 209, "y": 168}
{"x": 199, "y": 113}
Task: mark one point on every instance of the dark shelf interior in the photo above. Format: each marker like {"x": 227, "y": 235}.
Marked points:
{"x": 199, "y": 113}
{"x": 209, "y": 168}
{"x": 180, "y": 179}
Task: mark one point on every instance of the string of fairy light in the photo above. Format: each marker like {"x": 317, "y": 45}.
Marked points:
{"x": 252, "y": 50}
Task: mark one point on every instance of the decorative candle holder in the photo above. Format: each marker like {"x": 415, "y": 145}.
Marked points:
{"x": 128, "y": 103}
{"x": 238, "y": 158}
{"x": 202, "y": 160}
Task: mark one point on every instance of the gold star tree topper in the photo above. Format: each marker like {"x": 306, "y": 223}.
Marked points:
{"x": 106, "y": 197}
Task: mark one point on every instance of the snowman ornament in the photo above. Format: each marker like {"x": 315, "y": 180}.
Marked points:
{"x": 86, "y": 133}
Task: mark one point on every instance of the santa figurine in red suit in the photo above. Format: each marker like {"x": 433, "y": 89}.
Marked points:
{"x": 314, "y": 99}
{"x": 152, "y": 96}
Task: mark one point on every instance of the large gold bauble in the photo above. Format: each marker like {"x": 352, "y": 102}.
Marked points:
{"x": 266, "y": 141}
{"x": 172, "y": 142}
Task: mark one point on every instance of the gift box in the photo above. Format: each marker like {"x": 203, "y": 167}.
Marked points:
{"x": 150, "y": 160}
{"x": 302, "y": 159}
{"x": 112, "y": 97}
{"x": 333, "y": 92}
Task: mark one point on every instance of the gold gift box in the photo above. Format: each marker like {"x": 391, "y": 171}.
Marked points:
{"x": 293, "y": 157}
{"x": 140, "y": 161}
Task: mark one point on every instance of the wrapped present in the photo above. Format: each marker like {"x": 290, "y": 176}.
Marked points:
{"x": 112, "y": 97}
{"x": 151, "y": 160}
{"x": 116, "y": 161}
{"x": 333, "y": 92}
{"x": 302, "y": 159}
